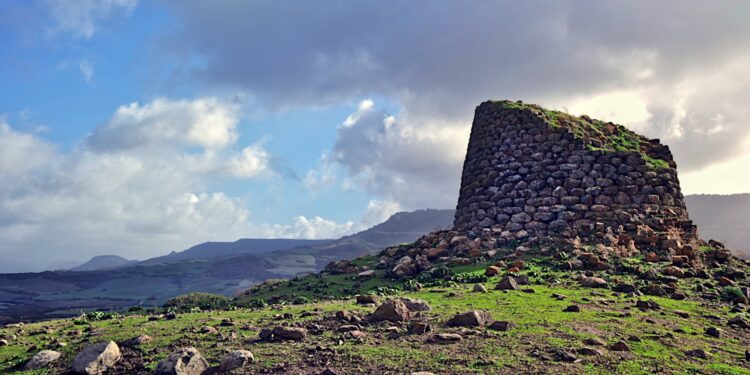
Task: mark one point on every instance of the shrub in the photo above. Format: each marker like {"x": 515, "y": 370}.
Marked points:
{"x": 203, "y": 301}
{"x": 730, "y": 293}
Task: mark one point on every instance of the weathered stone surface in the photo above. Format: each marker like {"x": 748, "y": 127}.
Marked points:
{"x": 594, "y": 282}
{"x": 446, "y": 338}
{"x": 97, "y": 358}
{"x": 289, "y": 333}
{"x": 507, "y": 283}
{"x": 41, "y": 360}
{"x": 366, "y": 299}
{"x": 184, "y": 361}
{"x": 392, "y": 310}
{"x": 521, "y": 163}
{"x": 473, "y": 318}
{"x": 414, "y": 304}
{"x": 236, "y": 359}
{"x": 502, "y": 326}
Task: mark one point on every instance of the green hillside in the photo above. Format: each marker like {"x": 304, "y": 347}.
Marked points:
{"x": 609, "y": 334}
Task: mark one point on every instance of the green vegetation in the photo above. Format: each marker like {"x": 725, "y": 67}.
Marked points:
{"x": 596, "y": 134}
{"x": 658, "y": 339}
{"x": 203, "y": 301}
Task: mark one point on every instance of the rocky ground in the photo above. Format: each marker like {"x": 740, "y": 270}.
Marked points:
{"x": 497, "y": 312}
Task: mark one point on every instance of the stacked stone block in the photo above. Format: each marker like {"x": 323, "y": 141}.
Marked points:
{"x": 525, "y": 175}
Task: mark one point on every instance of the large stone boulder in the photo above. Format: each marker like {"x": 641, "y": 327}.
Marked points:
{"x": 184, "y": 361}
{"x": 404, "y": 267}
{"x": 507, "y": 283}
{"x": 236, "y": 359}
{"x": 97, "y": 358}
{"x": 594, "y": 282}
{"x": 414, "y": 304}
{"x": 289, "y": 333}
{"x": 41, "y": 360}
{"x": 473, "y": 318}
{"x": 392, "y": 310}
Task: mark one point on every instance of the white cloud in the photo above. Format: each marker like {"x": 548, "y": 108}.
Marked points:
{"x": 410, "y": 163}
{"x": 682, "y": 80}
{"x": 139, "y": 186}
{"x": 208, "y": 123}
{"x": 87, "y": 70}
{"x": 21, "y": 153}
{"x": 83, "y": 18}
{"x": 250, "y": 162}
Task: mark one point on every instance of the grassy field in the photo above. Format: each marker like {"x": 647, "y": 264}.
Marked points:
{"x": 658, "y": 339}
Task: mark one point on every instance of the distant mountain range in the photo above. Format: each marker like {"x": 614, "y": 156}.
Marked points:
{"x": 723, "y": 217}
{"x": 103, "y": 262}
{"x": 112, "y": 282}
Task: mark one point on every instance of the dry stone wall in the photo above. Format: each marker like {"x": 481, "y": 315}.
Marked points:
{"x": 533, "y": 172}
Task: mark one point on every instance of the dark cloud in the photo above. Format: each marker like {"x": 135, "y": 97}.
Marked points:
{"x": 439, "y": 59}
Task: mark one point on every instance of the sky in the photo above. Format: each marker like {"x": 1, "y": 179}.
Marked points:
{"x": 138, "y": 127}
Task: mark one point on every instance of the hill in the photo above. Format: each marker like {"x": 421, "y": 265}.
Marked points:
{"x": 103, "y": 262}
{"x": 44, "y": 295}
{"x": 243, "y": 246}
{"x": 459, "y": 320}
{"x": 724, "y": 217}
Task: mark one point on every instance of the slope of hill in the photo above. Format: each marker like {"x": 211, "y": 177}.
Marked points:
{"x": 458, "y": 319}
{"x": 723, "y": 217}
{"x": 103, "y": 262}
{"x": 151, "y": 282}
{"x": 208, "y": 250}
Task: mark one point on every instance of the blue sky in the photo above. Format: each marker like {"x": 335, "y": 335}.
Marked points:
{"x": 139, "y": 127}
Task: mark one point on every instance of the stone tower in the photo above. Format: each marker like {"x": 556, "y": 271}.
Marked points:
{"x": 531, "y": 172}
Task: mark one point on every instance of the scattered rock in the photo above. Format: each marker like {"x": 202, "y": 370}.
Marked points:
{"x": 739, "y": 321}
{"x": 492, "y": 271}
{"x": 480, "y": 288}
{"x": 725, "y": 281}
{"x": 590, "y": 351}
{"x": 266, "y": 334}
{"x": 138, "y": 341}
{"x": 713, "y": 332}
{"x": 170, "y": 315}
{"x": 41, "y": 360}
{"x": 673, "y": 271}
{"x": 446, "y": 338}
{"x": 620, "y": 346}
{"x": 647, "y": 305}
{"x": 226, "y": 322}
{"x": 700, "y": 353}
{"x": 208, "y": 330}
{"x": 419, "y": 328}
{"x": 184, "y": 361}
{"x": 97, "y": 358}
{"x": 573, "y": 308}
{"x": 594, "y": 282}
{"x": 507, "y": 283}
{"x": 414, "y": 304}
{"x": 682, "y": 314}
{"x": 236, "y": 359}
{"x": 289, "y": 333}
{"x": 565, "y": 356}
{"x": 502, "y": 326}
{"x": 473, "y": 318}
{"x": 368, "y": 274}
{"x": 392, "y": 310}
{"x": 366, "y": 299}
{"x": 357, "y": 334}
{"x": 594, "y": 341}
{"x": 4, "y": 342}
